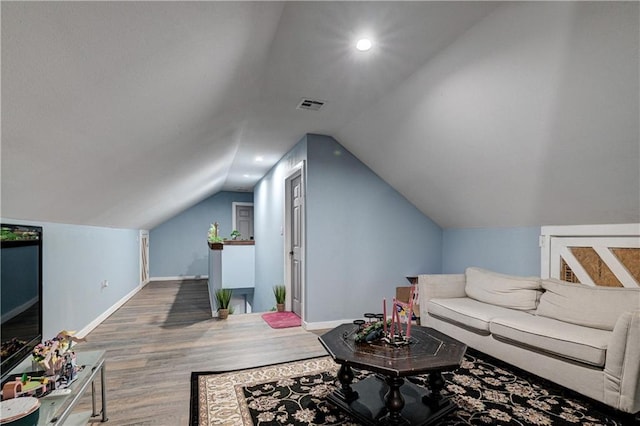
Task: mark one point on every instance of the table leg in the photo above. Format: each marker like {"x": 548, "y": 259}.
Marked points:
{"x": 93, "y": 399}
{"x": 394, "y": 402}
{"x": 345, "y": 376}
{"x": 434, "y": 400}
{"x": 103, "y": 389}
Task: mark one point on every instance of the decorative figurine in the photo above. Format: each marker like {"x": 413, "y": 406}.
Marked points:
{"x": 57, "y": 359}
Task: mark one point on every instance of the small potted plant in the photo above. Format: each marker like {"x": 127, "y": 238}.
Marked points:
{"x": 235, "y": 234}
{"x": 280, "y": 292}
{"x": 223, "y": 298}
{"x": 215, "y": 241}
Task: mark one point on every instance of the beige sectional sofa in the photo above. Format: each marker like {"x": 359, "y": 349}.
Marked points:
{"x": 582, "y": 337}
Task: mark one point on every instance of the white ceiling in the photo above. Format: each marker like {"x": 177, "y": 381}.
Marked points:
{"x": 125, "y": 113}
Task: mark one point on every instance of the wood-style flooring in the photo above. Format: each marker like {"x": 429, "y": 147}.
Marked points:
{"x": 165, "y": 332}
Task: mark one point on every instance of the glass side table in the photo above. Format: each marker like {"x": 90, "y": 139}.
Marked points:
{"x": 57, "y": 410}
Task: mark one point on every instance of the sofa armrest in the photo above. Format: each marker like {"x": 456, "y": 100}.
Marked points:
{"x": 439, "y": 286}
{"x": 622, "y": 366}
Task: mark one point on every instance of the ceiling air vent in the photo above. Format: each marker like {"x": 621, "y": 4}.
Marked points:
{"x": 310, "y": 104}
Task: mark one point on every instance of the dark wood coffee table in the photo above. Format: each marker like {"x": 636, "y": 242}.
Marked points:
{"x": 385, "y": 397}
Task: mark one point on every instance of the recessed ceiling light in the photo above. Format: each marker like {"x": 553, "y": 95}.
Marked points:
{"x": 259, "y": 158}
{"x": 363, "y": 44}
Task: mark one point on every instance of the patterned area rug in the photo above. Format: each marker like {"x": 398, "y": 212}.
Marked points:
{"x": 486, "y": 391}
{"x": 281, "y": 319}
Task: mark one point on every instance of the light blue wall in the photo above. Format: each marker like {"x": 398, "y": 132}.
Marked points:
{"x": 75, "y": 261}
{"x": 506, "y": 250}
{"x": 178, "y": 247}
{"x": 363, "y": 237}
{"x": 268, "y": 216}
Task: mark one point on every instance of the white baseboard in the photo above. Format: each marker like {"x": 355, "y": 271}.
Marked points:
{"x": 181, "y": 278}
{"x": 96, "y": 322}
{"x": 322, "y": 325}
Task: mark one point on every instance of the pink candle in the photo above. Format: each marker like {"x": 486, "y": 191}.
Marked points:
{"x": 395, "y": 318}
{"x": 384, "y": 316}
{"x": 410, "y": 313}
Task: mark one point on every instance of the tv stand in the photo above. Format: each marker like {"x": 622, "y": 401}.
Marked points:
{"x": 57, "y": 410}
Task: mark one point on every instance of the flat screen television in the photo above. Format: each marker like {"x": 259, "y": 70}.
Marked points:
{"x": 20, "y": 293}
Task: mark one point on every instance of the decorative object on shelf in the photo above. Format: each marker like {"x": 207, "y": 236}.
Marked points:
{"x": 280, "y": 292}
{"x": 235, "y": 234}
{"x": 215, "y": 241}
{"x": 223, "y": 298}
{"x": 54, "y": 364}
{"x": 26, "y": 385}
{"x": 56, "y": 357}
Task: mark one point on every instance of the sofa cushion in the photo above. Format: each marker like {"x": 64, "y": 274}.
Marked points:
{"x": 468, "y": 312}
{"x": 503, "y": 290}
{"x": 583, "y": 344}
{"x": 590, "y": 306}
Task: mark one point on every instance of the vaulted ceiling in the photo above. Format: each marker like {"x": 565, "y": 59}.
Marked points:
{"x": 481, "y": 114}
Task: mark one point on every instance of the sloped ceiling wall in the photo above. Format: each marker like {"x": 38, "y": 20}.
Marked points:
{"x": 124, "y": 113}
{"x": 530, "y": 118}
{"x": 481, "y": 114}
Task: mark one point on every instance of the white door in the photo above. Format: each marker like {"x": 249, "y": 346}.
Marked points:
{"x": 244, "y": 221}
{"x": 296, "y": 216}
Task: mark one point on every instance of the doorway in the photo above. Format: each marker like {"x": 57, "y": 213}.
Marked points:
{"x": 294, "y": 239}
{"x": 242, "y": 219}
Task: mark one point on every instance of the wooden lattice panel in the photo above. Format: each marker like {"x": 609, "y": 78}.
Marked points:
{"x": 566, "y": 274}
{"x": 630, "y": 258}
{"x": 595, "y": 267}
{"x": 603, "y": 255}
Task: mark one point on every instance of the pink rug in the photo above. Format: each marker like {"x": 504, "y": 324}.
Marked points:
{"x": 281, "y": 319}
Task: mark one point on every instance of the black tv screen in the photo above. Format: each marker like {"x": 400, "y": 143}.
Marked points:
{"x": 20, "y": 293}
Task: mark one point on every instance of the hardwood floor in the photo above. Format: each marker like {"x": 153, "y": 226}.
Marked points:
{"x": 165, "y": 332}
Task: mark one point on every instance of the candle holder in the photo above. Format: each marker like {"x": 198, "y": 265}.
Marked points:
{"x": 398, "y": 339}
{"x": 370, "y": 316}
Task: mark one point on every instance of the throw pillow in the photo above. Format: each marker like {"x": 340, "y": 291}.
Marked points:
{"x": 521, "y": 293}
{"x": 589, "y": 306}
